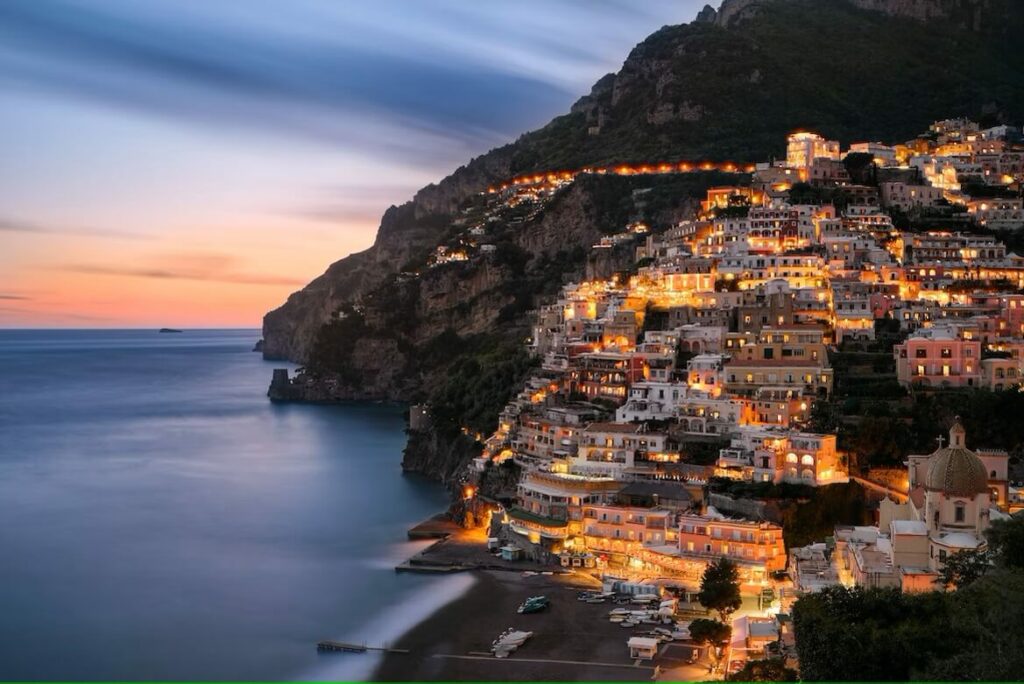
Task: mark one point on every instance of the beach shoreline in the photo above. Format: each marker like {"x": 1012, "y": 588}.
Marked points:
{"x": 570, "y": 641}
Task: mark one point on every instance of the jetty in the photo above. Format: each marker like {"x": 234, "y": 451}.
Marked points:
{"x": 329, "y": 645}
{"x": 435, "y": 527}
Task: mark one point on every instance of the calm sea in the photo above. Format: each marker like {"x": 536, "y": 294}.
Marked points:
{"x": 159, "y": 518}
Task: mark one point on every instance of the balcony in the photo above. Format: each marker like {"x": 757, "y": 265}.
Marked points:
{"x": 740, "y": 560}
{"x": 534, "y": 520}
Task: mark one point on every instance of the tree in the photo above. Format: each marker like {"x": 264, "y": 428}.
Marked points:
{"x": 884, "y": 635}
{"x": 856, "y": 634}
{"x": 989, "y": 616}
{"x": 862, "y": 168}
{"x": 963, "y": 568}
{"x": 1006, "y": 542}
{"x": 770, "y": 670}
{"x": 713, "y": 634}
{"x": 720, "y": 588}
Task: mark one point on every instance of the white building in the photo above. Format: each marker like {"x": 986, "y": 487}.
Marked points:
{"x": 651, "y": 401}
{"x": 803, "y": 148}
{"x": 612, "y": 448}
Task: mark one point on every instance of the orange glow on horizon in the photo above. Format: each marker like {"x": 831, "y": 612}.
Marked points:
{"x": 225, "y": 276}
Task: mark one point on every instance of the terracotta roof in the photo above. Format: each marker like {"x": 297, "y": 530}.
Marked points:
{"x": 957, "y": 471}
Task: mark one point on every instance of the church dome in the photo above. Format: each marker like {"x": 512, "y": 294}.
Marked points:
{"x": 955, "y": 469}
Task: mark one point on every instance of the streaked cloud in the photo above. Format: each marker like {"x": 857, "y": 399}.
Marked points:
{"x": 442, "y": 73}
{"x": 329, "y": 88}
{"x": 13, "y": 297}
{"x": 350, "y": 204}
{"x": 49, "y": 315}
{"x": 8, "y": 225}
{"x": 211, "y": 267}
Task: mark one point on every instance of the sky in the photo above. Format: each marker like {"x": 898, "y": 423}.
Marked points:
{"x": 190, "y": 164}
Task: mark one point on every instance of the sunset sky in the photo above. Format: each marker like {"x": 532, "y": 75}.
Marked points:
{"x": 191, "y": 164}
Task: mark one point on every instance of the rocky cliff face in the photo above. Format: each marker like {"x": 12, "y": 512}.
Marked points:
{"x": 437, "y": 456}
{"x": 396, "y": 336}
{"x": 973, "y": 15}
{"x": 406, "y": 233}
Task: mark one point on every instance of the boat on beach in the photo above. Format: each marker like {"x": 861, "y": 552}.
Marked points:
{"x": 509, "y": 642}
{"x": 534, "y": 604}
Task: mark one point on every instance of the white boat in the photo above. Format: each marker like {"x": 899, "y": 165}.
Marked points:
{"x": 619, "y": 611}
{"x": 515, "y": 638}
{"x": 617, "y": 618}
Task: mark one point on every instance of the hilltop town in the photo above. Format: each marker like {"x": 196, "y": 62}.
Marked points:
{"x": 689, "y": 407}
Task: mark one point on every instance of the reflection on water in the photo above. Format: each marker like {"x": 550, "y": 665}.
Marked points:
{"x": 160, "y": 518}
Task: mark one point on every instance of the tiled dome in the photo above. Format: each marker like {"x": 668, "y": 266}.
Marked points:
{"x": 955, "y": 469}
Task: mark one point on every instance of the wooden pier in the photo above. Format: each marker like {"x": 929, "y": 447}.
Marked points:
{"x": 328, "y": 645}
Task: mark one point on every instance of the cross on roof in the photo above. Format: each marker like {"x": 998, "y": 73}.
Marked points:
{"x": 940, "y": 439}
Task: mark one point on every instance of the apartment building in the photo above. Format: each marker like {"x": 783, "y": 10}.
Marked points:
{"x": 945, "y": 355}
{"x": 612, "y": 448}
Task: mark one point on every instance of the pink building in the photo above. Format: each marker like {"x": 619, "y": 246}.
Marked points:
{"x": 940, "y": 356}
{"x": 757, "y": 547}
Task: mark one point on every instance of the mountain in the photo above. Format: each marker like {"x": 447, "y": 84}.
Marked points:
{"x": 729, "y": 86}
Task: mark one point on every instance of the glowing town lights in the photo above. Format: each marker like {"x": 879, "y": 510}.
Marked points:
{"x": 554, "y": 178}
{"x": 468, "y": 492}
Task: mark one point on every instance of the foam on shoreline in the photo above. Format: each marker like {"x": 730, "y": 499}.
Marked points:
{"x": 388, "y": 627}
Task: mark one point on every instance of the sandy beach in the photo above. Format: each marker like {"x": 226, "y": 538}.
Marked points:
{"x": 572, "y": 640}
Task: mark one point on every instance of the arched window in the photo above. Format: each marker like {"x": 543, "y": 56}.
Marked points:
{"x": 959, "y": 513}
